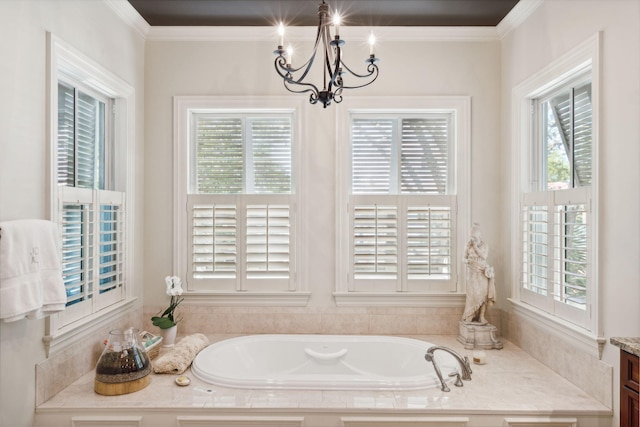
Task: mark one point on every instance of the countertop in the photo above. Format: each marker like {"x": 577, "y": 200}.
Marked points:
{"x": 630, "y": 345}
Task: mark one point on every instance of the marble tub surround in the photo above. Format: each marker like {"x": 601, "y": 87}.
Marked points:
{"x": 630, "y": 345}
{"x": 510, "y": 383}
{"x": 62, "y": 368}
{"x": 209, "y": 319}
{"x": 561, "y": 356}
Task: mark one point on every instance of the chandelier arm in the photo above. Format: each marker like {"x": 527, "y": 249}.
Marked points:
{"x": 371, "y": 68}
{"x": 287, "y": 79}
{"x": 310, "y": 87}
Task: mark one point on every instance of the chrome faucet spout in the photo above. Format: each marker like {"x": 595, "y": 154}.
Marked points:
{"x": 465, "y": 366}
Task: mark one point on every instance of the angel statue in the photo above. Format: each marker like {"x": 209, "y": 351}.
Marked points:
{"x": 481, "y": 288}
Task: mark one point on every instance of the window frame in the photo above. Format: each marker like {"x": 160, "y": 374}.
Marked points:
{"x": 578, "y": 62}
{"x": 296, "y": 294}
{"x": 63, "y": 61}
{"x": 460, "y": 107}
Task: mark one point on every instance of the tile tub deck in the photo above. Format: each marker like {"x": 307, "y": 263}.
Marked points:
{"x": 511, "y": 384}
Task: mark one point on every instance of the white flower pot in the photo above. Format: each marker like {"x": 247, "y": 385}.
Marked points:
{"x": 169, "y": 336}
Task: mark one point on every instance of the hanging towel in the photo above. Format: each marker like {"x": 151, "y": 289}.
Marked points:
{"x": 31, "y": 283}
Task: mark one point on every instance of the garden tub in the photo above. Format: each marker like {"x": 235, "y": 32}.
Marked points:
{"x": 321, "y": 362}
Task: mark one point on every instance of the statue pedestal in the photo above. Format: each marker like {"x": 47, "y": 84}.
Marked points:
{"x": 475, "y": 335}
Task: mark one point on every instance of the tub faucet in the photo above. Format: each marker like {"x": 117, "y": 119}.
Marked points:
{"x": 465, "y": 367}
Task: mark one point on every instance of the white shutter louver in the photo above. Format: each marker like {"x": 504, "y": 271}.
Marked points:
{"x": 429, "y": 241}
{"x": 268, "y": 241}
{"x": 66, "y": 136}
{"x": 90, "y": 142}
{"x": 375, "y": 241}
{"x": 570, "y": 244}
{"x": 214, "y": 240}
{"x": 535, "y": 248}
{"x": 111, "y": 248}
{"x": 77, "y": 251}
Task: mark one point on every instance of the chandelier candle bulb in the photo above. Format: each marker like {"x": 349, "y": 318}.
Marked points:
{"x": 336, "y": 25}
{"x": 372, "y": 41}
{"x": 281, "y": 33}
{"x": 289, "y": 55}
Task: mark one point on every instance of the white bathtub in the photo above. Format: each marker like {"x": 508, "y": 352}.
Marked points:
{"x": 321, "y": 362}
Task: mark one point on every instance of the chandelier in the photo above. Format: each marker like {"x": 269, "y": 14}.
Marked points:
{"x": 335, "y": 71}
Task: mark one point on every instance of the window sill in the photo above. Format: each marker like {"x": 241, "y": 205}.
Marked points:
{"x": 398, "y": 299}
{"x": 244, "y": 298}
{"x": 59, "y": 340}
{"x": 573, "y": 334}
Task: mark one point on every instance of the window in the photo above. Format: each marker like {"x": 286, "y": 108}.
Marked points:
{"x": 556, "y": 213}
{"x": 239, "y": 231}
{"x": 90, "y": 191}
{"x": 557, "y": 217}
{"x": 401, "y": 194}
{"x": 92, "y": 216}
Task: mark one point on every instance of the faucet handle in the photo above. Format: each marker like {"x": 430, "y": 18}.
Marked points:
{"x": 468, "y": 365}
{"x": 458, "y": 382}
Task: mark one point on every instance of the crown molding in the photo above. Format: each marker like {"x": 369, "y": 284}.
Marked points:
{"x": 244, "y": 34}
{"x": 129, "y": 15}
{"x": 516, "y": 16}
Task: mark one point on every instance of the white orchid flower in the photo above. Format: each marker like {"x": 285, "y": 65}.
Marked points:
{"x": 174, "y": 285}
{"x": 177, "y": 286}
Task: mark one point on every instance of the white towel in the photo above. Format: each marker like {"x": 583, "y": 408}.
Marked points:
{"x": 31, "y": 283}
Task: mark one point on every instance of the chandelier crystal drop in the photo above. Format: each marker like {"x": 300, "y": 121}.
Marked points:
{"x": 328, "y": 51}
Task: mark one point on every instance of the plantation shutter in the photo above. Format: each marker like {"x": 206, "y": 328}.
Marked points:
{"x": 77, "y": 214}
{"x": 111, "y": 247}
{"x": 375, "y": 241}
{"x": 220, "y": 155}
{"x": 536, "y": 235}
{"x": 429, "y": 242}
{"x": 66, "y": 136}
{"x": 424, "y": 155}
{"x": 93, "y": 249}
{"x": 372, "y": 152}
{"x": 573, "y": 114}
{"x": 213, "y": 239}
{"x": 271, "y": 155}
{"x": 556, "y": 260}
{"x": 268, "y": 241}
{"x": 81, "y": 139}
{"x": 241, "y": 214}
{"x": 401, "y": 218}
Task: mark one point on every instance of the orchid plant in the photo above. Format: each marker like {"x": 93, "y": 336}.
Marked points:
{"x": 174, "y": 289}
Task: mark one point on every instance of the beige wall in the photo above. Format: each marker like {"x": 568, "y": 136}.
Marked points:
{"x": 94, "y": 29}
{"x": 553, "y": 29}
{"x": 246, "y": 69}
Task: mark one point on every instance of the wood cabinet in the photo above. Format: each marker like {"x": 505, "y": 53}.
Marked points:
{"x": 629, "y": 390}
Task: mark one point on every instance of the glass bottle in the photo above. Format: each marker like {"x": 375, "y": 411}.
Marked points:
{"x": 123, "y": 366}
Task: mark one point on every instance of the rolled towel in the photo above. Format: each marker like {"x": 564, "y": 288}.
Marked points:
{"x": 179, "y": 358}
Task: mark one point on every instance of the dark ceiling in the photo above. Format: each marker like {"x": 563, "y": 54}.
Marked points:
{"x": 304, "y": 12}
